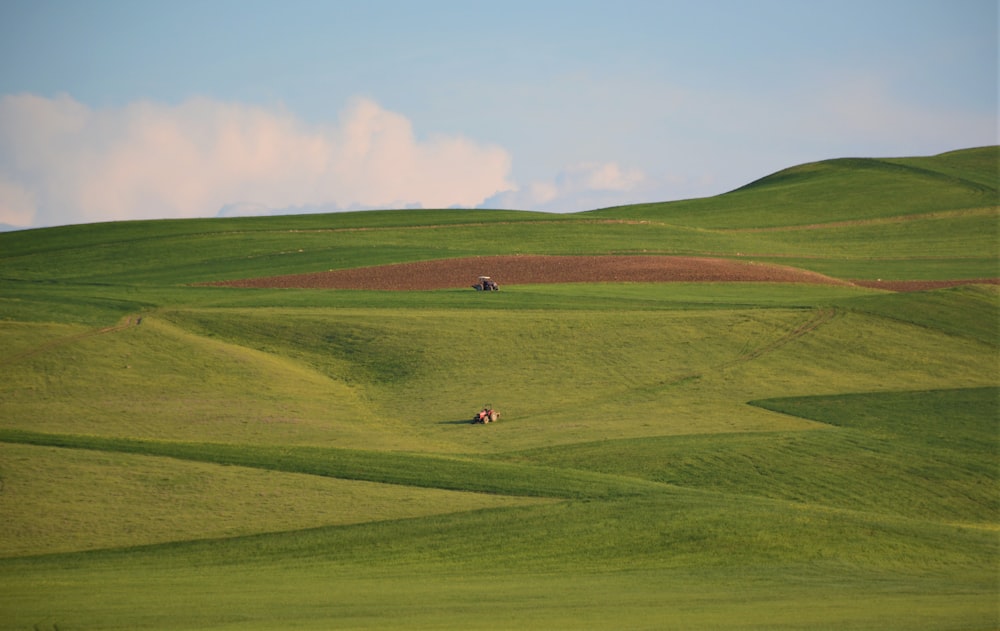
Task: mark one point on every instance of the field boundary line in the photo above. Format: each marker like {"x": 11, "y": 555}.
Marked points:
{"x": 449, "y": 473}
{"x": 872, "y": 221}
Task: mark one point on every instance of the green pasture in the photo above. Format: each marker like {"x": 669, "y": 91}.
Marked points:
{"x": 60, "y": 500}
{"x": 669, "y": 456}
{"x": 970, "y": 238}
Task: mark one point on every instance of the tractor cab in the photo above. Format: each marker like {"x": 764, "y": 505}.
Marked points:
{"x": 485, "y": 283}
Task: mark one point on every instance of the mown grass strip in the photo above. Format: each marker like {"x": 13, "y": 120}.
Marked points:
{"x": 962, "y": 420}
{"x": 929, "y": 455}
{"x": 968, "y": 311}
{"x": 427, "y": 471}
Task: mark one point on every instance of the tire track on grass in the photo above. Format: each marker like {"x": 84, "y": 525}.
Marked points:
{"x": 127, "y": 322}
{"x": 820, "y": 318}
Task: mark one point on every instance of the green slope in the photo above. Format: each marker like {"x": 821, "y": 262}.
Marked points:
{"x": 60, "y": 500}
{"x": 925, "y": 455}
{"x": 670, "y": 456}
{"x": 846, "y": 189}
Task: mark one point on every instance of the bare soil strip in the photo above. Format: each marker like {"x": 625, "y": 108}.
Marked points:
{"x": 532, "y": 269}
{"x": 538, "y": 269}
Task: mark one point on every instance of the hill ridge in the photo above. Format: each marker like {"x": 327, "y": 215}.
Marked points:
{"x": 853, "y": 163}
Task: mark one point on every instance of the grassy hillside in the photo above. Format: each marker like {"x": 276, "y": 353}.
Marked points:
{"x": 670, "y": 456}
{"x": 846, "y": 189}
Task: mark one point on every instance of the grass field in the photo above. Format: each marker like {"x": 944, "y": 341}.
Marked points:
{"x": 670, "y": 456}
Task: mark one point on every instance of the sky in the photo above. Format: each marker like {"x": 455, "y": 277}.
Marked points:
{"x": 149, "y": 109}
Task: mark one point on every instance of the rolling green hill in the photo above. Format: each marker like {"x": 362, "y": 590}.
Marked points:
{"x": 670, "y": 456}
{"x": 845, "y": 189}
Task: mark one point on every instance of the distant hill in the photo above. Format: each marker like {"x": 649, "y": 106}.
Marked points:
{"x": 922, "y": 218}
{"x": 845, "y": 189}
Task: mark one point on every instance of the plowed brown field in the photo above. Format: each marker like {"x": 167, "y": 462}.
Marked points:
{"x": 530, "y": 269}
{"x": 534, "y": 269}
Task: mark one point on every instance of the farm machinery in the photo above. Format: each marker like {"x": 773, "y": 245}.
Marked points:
{"x": 486, "y": 415}
{"x": 485, "y": 283}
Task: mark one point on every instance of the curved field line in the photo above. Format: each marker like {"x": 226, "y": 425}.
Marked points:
{"x": 126, "y": 323}
{"x": 463, "y": 224}
{"x": 987, "y": 210}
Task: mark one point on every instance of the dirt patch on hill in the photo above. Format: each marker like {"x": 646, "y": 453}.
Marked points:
{"x": 531, "y": 269}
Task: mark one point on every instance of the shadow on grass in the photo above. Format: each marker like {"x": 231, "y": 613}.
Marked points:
{"x": 464, "y": 421}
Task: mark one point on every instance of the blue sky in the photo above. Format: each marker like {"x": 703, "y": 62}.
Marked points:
{"x": 140, "y": 109}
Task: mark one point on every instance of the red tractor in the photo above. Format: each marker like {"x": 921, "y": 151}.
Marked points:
{"x": 486, "y": 415}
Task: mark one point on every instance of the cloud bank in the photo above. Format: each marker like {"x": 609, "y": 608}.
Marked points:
{"x": 62, "y": 162}
{"x": 580, "y": 187}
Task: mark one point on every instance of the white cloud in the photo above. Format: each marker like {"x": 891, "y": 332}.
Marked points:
{"x": 244, "y": 209}
{"x": 580, "y": 187}
{"x": 17, "y": 205}
{"x": 63, "y": 162}
{"x": 601, "y": 177}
